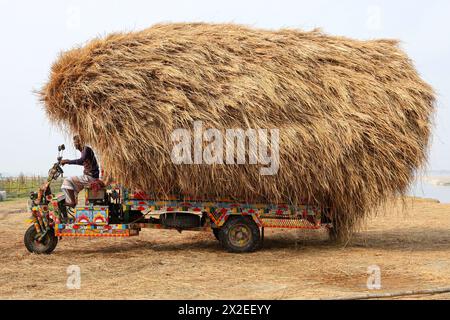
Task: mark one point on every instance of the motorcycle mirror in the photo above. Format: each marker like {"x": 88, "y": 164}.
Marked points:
{"x": 61, "y": 148}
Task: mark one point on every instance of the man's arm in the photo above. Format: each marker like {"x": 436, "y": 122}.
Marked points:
{"x": 79, "y": 161}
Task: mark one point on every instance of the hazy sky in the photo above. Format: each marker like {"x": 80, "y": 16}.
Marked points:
{"x": 34, "y": 32}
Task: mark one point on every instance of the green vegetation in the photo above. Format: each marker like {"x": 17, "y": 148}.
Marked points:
{"x": 21, "y": 186}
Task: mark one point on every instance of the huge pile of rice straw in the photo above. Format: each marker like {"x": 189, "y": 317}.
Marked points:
{"x": 354, "y": 116}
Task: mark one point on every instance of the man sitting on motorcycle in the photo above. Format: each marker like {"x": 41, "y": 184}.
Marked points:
{"x": 73, "y": 185}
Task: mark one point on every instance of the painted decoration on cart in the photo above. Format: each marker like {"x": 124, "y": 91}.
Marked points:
{"x": 91, "y": 215}
{"x": 78, "y": 230}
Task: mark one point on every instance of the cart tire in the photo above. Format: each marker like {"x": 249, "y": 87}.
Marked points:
{"x": 216, "y": 232}
{"x": 240, "y": 235}
{"x": 332, "y": 234}
{"x": 44, "y": 247}
{"x": 335, "y": 236}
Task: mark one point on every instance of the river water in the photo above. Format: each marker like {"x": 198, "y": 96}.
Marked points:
{"x": 424, "y": 189}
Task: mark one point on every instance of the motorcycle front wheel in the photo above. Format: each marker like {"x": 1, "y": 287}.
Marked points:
{"x": 44, "y": 246}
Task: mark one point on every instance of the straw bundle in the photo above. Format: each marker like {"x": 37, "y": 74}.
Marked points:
{"x": 354, "y": 116}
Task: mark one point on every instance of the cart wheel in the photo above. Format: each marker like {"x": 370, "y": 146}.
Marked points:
{"x": 45, "y": 246}
{"x": 216, "y": 233}
{"x": 335, "y": 236}
{"x": 332, "y": 234}
{"x": 239, "y": 235}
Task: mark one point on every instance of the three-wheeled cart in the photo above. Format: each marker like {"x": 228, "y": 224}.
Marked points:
{"x": 119, "y": 212}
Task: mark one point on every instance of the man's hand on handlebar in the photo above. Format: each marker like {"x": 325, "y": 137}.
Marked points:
{"x": 64, "y": 162}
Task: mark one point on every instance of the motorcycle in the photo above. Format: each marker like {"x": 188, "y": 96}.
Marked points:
{"x": 46, "y": 210}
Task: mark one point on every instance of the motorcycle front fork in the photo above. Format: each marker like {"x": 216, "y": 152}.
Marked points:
{"x": 40, "y": 225}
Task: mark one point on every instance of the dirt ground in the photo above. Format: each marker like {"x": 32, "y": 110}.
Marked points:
{"x": 411, "y": 247}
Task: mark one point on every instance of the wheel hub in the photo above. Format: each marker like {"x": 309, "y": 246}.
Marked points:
{"x": 240, "y": 235}
{"x": 41, "y": 243}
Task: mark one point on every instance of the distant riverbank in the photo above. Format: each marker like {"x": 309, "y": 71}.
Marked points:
{"x": 434, "y": 186}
